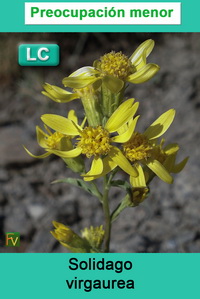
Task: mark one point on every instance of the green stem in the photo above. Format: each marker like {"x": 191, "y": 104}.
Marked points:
{"x": 119, "y": 98}
{"x": 98, "y": 193}
{"x": 106, "y": 208}
{"x": 92, "y": 108}
{"x": 110, "y": 100}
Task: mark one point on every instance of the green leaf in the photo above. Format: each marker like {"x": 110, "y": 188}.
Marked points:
{"x": 125, "y": 203}
{"x": 90, "y": 188}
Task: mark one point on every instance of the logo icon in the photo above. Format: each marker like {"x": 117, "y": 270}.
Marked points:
{"x": 12, "y": 239}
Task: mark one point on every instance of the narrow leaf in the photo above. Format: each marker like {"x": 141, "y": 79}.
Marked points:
{"x": 81, "y": 184}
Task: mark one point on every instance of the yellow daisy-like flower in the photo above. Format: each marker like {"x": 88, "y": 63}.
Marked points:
{"x": 167, "y": 157}
{"x": 141, "y": 149}
{"x": 49, "y": 140}
{"x": 97, "y": 142}
{"x": 114, "y": 69}
{"x": 57, "y": 141}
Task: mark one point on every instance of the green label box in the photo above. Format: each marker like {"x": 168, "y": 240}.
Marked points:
{"x": 38, "y": 55}
{"x": 12, "y": 239}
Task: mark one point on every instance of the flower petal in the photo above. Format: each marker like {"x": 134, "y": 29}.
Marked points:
{"x": 38, "y": 157}
{"x": 66, "y": 154}
{"x": 41, "y": 137}
{"x": 97, "y": 64}
{"x": 58, "y": 94}
{"x": 159, "y": 170}
{"x": 72, "y": 116}
{"x": 85, "y": 71}
{"x": 171, "y": 166}
{"x": 60, "y": 124}
{"x": 117, "y": 156}
{"x": 83, "y": 122}
{"x": 65, "y": 144}
{"x": 113, "y": 84}
{"x": 138, "y": 181}
{"x": 142, "y": 62}
{"x": 97, "y": 84}
{"x": 144, "y": 74}
{"x": 147, "y": 47}
{"x": 160, "y": 125}
{"x": 179, "y": 167}
{"x": 121, "y": 115}
{"x": 126, "y": 135}
{"x": 68, "y": 98}
{"x": 108, "y": 166}
{"x": 79, "y": 81}
{"x": 123, "y": 128}
{"x": 96, "y": 167}
{"x": 170, "y": 162}
{"x": 171, "y": 149}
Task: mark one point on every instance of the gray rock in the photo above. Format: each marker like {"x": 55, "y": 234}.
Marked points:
{"x": 4, "y": 177}
{"x": 36, "y": 211}
{"x": 17, "y": 220}
{"x": 42, "y": 241}
{"x": 11, "y": 149}
{"x": 194, "y": 246}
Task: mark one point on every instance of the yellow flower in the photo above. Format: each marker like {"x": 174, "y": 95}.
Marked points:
{"x": 56, "y": 140}
{"x": 114, "y": 69}
{"x": 49, "y": 140}
{"x": 97, "y": 141}
{"x": 141, "y": 149}
{"x": 167, "y": 157}
{"x": 94, "y": 235}
{"x": 59, "y": 141}
{"x": 90, "y": 241}
{"x": 70, "y": 239}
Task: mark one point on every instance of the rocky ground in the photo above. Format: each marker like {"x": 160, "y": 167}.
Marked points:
{"x": 169, "y": 220}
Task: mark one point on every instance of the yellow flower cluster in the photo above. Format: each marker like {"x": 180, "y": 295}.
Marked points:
{"x": 114, "y": 141}
{"x": 108, "y": 134}
{"x": 90, "y": 241}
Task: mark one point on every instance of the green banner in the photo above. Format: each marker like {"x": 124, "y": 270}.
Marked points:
{"x": 88, "y": 275}
{"x": 13, "y": 15}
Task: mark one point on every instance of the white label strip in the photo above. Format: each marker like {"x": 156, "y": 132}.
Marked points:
{"x": 102, "y": 13}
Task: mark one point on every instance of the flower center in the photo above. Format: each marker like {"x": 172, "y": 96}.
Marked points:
{"x": 94, "y": 141}
{"x": 115, "y": 64}
{"x": 137, "y": 148}
{"x": 53, "y": 141}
